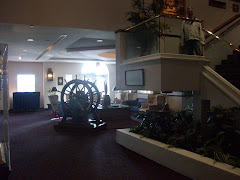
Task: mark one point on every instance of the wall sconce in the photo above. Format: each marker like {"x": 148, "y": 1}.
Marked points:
{"x": 50, "y": 75}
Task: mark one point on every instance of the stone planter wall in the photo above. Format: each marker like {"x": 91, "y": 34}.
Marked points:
{"x": 185, "y": 162}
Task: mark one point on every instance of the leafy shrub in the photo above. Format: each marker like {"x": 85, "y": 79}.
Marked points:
{"x": 218, "y": 137}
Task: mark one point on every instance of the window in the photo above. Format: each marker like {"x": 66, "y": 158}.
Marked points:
{"x": 96, "y": 72}
{"x": 26, "y": 83}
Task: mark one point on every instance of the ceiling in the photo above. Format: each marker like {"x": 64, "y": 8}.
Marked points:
{"x": 55, "y": 44}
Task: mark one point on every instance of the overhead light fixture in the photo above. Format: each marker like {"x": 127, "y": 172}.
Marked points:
{"x": 50, "y": 75}
{"x": 24, "y": 50}
{"x": 99, "y": 40}
{"x": 30, "y": 40}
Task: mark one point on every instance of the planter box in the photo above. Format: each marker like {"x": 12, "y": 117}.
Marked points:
{"x": 185, "y": 162}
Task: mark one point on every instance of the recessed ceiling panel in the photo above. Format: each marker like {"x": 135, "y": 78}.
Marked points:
{"x": 84, "y": 44}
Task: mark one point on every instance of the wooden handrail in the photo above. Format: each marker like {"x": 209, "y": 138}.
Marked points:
{"x": 223, "y": 25}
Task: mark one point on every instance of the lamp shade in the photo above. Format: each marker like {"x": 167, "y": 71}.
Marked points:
{"x": 50, "y": 75}
{"x": 54, "y": 89}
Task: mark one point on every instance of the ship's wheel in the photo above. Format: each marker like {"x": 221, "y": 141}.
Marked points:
{"x": 77, "y": 100}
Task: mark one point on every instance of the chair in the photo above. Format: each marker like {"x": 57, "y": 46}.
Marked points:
{"x": 123, "y": 97}
{"x": 53, "y": 98}
{"x": 155, "y": 102}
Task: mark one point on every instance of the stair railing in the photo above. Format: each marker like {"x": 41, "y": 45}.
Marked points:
{"x": 4, "y": 87}
{"x": 220, "y": 39}
{"x": 224, "y": 24}
{"x": 222, "y": 84}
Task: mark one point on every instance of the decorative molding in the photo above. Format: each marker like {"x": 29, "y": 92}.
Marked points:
{"x": 168, "y": 56}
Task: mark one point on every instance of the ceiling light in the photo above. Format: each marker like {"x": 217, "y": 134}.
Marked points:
{"x": 24, "y": 50}
{"x": 99, "y": 40}
{"x": 30, "y": 40}
{"x": 19, "y": 57}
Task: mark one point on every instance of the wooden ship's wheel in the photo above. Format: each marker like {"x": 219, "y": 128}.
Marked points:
{"x": 79, "y": 100}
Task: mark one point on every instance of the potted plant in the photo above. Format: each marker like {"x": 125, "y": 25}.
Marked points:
{"x": 106, "y": 97}
{"x": 146, "y": 34}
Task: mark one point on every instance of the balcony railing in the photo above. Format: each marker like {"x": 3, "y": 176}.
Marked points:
{"x": 160, "y": 34}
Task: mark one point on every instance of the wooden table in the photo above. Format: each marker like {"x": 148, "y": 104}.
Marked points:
{"x": 114, "y": 113}
{"x": 162, "y": 113}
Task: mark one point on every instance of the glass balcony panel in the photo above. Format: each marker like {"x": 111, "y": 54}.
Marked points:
{"x": 163, "y": 35}
{"x": 143, "y": 40}
{"x": 160, "y": 35}
{"x": 171, "y": 35}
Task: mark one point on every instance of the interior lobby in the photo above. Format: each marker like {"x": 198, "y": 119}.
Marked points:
{"x": 54, "y": 51}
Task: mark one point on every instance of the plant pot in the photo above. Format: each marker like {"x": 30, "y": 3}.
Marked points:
{"x": 106, "y": 101}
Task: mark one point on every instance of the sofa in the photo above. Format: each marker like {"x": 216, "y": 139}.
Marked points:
{"x": 135, "y": 104}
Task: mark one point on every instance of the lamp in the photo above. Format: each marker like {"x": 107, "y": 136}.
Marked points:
{"x": 50, "y": 75}
{"x": 54, "y": 89}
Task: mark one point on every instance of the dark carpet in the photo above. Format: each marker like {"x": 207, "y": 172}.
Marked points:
{"x": 39, "y": 152}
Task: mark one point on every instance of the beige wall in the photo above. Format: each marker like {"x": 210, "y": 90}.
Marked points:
{"x": 42, "y": 85}
{"x": 94, "y": 14}
{"x": 212, "y": 16}
{"x": 15, "y": 68}
{"x": 87, "y": 14}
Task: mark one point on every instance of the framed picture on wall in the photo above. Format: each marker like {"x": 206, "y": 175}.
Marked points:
{"x": 218, "y": 4}
{"x": 173, "y": 7}
{"x": 236, "y": 1}
{"x": 134, "y": 77}
{"x": 60, "y": 80}
{"x": 235, "y": 8}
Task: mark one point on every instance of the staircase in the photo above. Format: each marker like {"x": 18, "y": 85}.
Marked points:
{"x": 230, "y": 69}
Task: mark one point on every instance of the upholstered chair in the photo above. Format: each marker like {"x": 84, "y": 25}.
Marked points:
{"x": 155, "y": 102}
{"x": 53, "y": 98}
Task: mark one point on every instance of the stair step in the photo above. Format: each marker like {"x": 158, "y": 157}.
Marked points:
{"x": 228, "y": 66}
{"x": 237, "y": 62}
{"x": 230, "y": 69}
{"x": 231, "y": 77}
{"x": 235, "y": 70}
{"x": 236, "y": 84}
{"x": 234, "y": 57}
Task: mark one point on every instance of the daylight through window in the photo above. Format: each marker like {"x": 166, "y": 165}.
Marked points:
{"x": 26, "y": 83}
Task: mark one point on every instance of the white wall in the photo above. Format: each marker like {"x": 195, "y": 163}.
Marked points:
{"x": 210, "y": 92}
{"x": 112, "y": 80}
{"x": 95, "y": 14}
{"x": 87, "y": 14}
{"x": 212, "y": 16}
{"x": 15, "y": 68}
{"x": 61, "y": 69}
